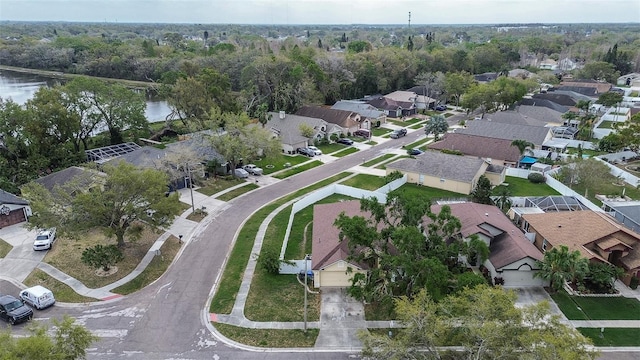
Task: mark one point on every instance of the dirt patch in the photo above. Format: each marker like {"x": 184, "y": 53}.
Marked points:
{"x": 103, "y": 273}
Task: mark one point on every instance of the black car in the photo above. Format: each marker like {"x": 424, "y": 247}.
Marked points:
{"x": 345, "y": 141}
{"x": 414, "y": 152}
{"x": 396, "y": 134}
{"x": 305, "y": 151}
{"x": 13, "y": 310}
{"x": 441, "y": 107}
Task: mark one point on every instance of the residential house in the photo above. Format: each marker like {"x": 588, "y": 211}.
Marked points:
{"x": 537, "y": 135}
{"x": 597, "y": 236}
{"x": 619, "y": 157}
{"x": 13, "y": 209}
{"x": 423, "y": 99}
{"x": 533, "y": 101}
{"x": 492, "y": 150}
{"x": 74, "y": 179}
{"x": 597, "y": 87}
{"x": 371, "y": 117}
{"x": 448, "y": 172}
{"x": 391, "y": 108}
{"x": 286, "y": 127}
{"x": 486, "y": 77}
{"x": 329, "y": 256}
{"x": 520, "y": 73}
{"x": 566, "y": 64}
{"x": 632, "y": 79}
{"x": 563, "y": 100}
{"x": 512, "y": 257}
{"x": 531, "y": 115}
{"x": 399, "y": 103}
{"x": 626, "y": 212}
{"x": 548, "y": 64}
{"x": 348, "y": 121}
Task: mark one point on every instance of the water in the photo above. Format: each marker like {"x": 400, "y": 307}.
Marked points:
{"x": 21, "y": 87}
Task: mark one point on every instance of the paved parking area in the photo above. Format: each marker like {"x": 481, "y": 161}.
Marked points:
{"x": 22, "y": 259}
{"x": 341, "y": 317}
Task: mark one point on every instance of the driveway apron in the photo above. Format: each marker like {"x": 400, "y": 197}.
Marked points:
{"x": 341, "y": 317}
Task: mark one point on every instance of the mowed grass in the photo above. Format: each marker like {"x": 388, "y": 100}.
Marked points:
{"x": 227, "y": 290}
{"x": 298, "y": 169}
{"x": 383, "y": 165}
{"x": 5, "y": 247}
{"x": 277, "y": 163}
{"x": 66, "y": 256}
{"x": 612, "y": 336}
{"x": 429, "y": 192}
{"x": 380, "y": 131}
{"x": 345, "y": 152}
{"x": 377, "y": 160}
{"x": 237, "y": 192}
{"x": 269, "y": 337}
{"x": 155, "y": 269}
{"x": 597, "y": 308}
{"x": 365, "y": 181}
{"x": 331, "y": 148}
{"x": 419, "y": 144}
{"x": 61, "y": 291}
{"x": 215, "y": 185}
{"x": 523, "y": 187}
{"x": 607, "y": 188}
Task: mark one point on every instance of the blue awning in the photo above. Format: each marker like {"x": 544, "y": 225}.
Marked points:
{"x": 527, "y": 160}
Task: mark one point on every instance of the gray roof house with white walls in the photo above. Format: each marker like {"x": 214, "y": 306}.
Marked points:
{"x": 626, "y": 212}
{"x": 287, "y": 128}
{"x": 536, "y": 135}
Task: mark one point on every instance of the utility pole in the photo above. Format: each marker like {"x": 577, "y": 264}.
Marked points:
{"x": 409, "y": 20}
{"x": 306, "y": 261}
{"x": 193, "y": 206}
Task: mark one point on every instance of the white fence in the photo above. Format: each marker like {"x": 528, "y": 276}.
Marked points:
{"x": 314, "y": 197}
{"x": 619, "y": 173}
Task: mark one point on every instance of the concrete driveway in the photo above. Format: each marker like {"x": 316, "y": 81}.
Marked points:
{"x": 341, "y": 317}
{"x": 22, "y": 259}
{"x": 533, "y": 295}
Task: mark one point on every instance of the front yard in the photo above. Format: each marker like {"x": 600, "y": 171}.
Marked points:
{"x": 277, "y": 163}
{"x": 215, "y": 185}
{"x": 597, "y": 308}
{"x": 365, "y": 181}
{"x": 5, "y": 247}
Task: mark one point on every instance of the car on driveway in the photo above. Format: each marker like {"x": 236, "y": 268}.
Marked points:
{"x": 414, "y": 152}
{"x": 345, "y": 141}
{"x": 362, "y": 133}
{"x": 441, "y": 107}
{"x": 241, "y": 173}
{"x": 45, "y": 239}
{"x": 316, "y": 151}
{"x": 252, "y": 169}
{"x": 398, "y": 133}
{"x": 305, "y": 151}
{"x": 13, "y": 310}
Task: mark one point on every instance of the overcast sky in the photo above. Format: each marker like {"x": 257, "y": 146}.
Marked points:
{"x": 324, "y": 11}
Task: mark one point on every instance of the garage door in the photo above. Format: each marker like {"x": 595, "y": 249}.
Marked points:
{"x": 14, "y": 217}
{"x": 335, "y": 278}
{"x": 520, "y": 278}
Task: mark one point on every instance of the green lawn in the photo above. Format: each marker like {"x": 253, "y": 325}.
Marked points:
{"x": 430, "y": 192}
{"x": 371, "y": 143}
{"x": 331, "y": 148}
{"x": 269, "y": 338}
{"x": 5, "y": 247}
{"x": 365, "y": 181}
{"x": 523, "y": 187}
{"x": 227, "y": 290}
{"x": 416, "y": 126}
{"x": 345, "y": 152}
{"x": 612, "y": 336}
{"x": 607, "y": 124}
{"x": 377, "y": 160}
{"x": 586, "y": 152}
{"x": 61, "y": 291}
{"x": 597, "y": 308}
{"x": 418, "y": 144}
{"x": 607, "y": 188}
{"x": 277, "y": 163}
{"x": 381, "y": 131}
{"x": 237, "y": 192}
{"x": 215, "y": 185}
{"x": 383, "y": 165}
{"x": 298, "y": 169}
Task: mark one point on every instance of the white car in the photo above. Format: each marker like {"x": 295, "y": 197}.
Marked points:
{"x": 316, "y": 151}
{"x": 241, "y": 173}
{"x": 45, "y": 239}
{"x": 252, "y": 169}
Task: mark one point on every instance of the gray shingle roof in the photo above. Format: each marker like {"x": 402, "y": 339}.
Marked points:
{"x": 480, "y": 146}
{"x": 533, "y": 134}
{"x": 288, "y": 129}
{"x": 544, "y": 103}
{"x": 445, "y": 166}
{"x": 85, "y": 177}
{"x": 360, "y": 107}
{"x": 338, "y": 117}
{"x": 8, "y": 198}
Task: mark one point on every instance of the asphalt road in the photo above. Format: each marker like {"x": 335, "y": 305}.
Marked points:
{"x": 169, "y": 319}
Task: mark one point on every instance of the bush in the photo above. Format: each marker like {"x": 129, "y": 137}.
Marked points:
{"x": 633, "y": 284}
{"x": 269, "y": 260}
{"x": 102, "y": 256}
{"x": 536, "y": 178}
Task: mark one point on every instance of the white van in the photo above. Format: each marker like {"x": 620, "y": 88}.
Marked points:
{"x": 38, "y": 297}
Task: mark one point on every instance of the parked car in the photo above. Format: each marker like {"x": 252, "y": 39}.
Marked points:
{"x": 45, "y": 239}
{"x": 398, "y": 133}
{"x": 38, "y": 297}
{"x": 252, "y": 169}
{"x": 414, "y": 152}
{"x": 362, "y": 133}
{"x": 13, "y": 310}
{"x": 305, "y": 151}
{"x": 316, "y": 151}
{"x": 345, "y": 141}
{"x": 441, "y": 107}
{"x": 241, "y": 173}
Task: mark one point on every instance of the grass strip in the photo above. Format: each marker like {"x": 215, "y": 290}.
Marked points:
{"x": 612, "y": 336}
{"x": 61, "y": 291}
{"x": 269, "y": 337}
{"x": 215, "y": 185}
{"x": 378, "y": 160}
{"x": 237, "y": 192}
{"x": 298, "y": 169}
{"x": 365, "y": 181}
{"x": 227, "y": 290}
{"x": 346, "y": 152}
{"x": 5, "y": 247}
{"x": 597, "y": 308}
{"x": 154, "y": 270}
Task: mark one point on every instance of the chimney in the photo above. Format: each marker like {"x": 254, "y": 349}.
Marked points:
{"x": 282, "y": 115}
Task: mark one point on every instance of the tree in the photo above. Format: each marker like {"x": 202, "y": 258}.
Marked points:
{"x": 67, "y": 341}
{"x": 599, "y": 70}
{"x": 481, "y": 194}
{"x": 483, "y": 323}
{"x": 523, "y": 146}
{"x": 610, "y": 99}
{"x": 602, "y": 276}
{"x": 457, "y": 83}
{"x": 503, "y": 200}
{"x": 306, "y": 130}
{"x": 103, "y": 257}
{"x": 128, "y": 198}
{"x": 559, "y": 266}
{"x": 436, "y": 125}
{"x": 591, "y": 172}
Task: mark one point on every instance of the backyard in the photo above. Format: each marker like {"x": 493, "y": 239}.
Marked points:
{"x": 523, "y": 187}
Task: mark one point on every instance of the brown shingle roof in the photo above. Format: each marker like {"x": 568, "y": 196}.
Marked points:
{"x": 338, "y": 117}
{"x": 481, "y": 146}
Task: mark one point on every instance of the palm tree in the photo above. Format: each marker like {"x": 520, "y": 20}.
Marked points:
{"x": 503, "y": 201}
{"x": 523, "y": 146}
{"x": 560, "y": 266}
